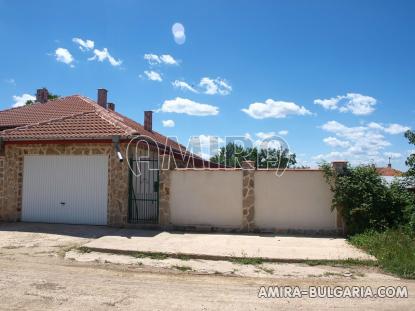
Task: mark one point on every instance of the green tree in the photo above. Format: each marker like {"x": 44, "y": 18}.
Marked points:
{"x": 50, "y": 97}
{"x": 233, "y": 154}
{"x": 410, "y": 161}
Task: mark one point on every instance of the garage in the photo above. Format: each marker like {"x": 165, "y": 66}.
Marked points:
{"x": 67, "y": 189}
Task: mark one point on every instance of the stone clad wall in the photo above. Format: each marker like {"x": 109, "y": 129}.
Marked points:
{"x": 2, "y": 185}
{"x": 13, "y": 176}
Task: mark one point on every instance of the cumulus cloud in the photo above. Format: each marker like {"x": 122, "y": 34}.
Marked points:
{"x": 275, "y": 109}
{"x": 215, "y": 86}
{"x": 182, "y": 85}
{"x": 166, "y": 59}
{"x": 187, "y": 106}
{"x": 153, "y": 75}
{"x": 178, "y": 32}
{"x": 393, "y": 155}
{"x": 283, "y": 132}
{"x": 168, "y": 123}
{"x": 64, "y": 56}
{"x": 359, "y": 144}
{"x": 84, "y": 45}
{"x": 334, "y": 142}
{"x": 205, "y": 146}
{"x": 392, "y": 128}
{"x": 21, "y": 100}
{"x": 101, "y": 55}
{"x": 355, "y": 103}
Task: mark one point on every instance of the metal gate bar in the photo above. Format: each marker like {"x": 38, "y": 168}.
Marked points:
{"x": 143, "y": 203}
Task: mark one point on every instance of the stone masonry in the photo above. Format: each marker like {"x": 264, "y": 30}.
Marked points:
{"x": 11, "y": 168}
{"x": 248, "y": 195}
{"x": 164, "y": 197}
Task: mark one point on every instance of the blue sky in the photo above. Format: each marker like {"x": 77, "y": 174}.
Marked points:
{"x": 335, "y": 78}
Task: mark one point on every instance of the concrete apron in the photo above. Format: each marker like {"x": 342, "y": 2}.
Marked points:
{"x": 220, "y": 246}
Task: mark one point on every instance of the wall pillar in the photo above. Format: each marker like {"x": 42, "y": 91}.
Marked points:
{"x": 164, "y": 197}
{"x": 248, "y": 195}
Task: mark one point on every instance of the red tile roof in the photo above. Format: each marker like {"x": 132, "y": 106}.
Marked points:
{"x": 71, "y": 117}
{"x": 388, "y": 171}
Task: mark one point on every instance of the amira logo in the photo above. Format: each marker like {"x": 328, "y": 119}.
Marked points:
{"x": 209, "y": 152}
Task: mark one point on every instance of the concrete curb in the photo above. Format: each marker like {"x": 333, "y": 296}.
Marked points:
{"x": 230, "y": 258}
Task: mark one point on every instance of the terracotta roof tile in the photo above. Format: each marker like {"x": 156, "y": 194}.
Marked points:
{"x": 71, "y": 117}
{"x": 388, "y": 171}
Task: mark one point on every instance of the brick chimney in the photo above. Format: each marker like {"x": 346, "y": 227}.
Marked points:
{"x": 111, "y": 106}
{"x": 42, "y": 95}
{"x": 148, "y": 121}
{"x": 102, "y": 98}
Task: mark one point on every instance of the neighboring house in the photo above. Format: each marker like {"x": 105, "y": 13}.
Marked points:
{"x": 389, "y": 175}
{"x": 64, "y": 161}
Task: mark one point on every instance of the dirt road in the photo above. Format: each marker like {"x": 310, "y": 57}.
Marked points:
{"x": 35, "y": 276}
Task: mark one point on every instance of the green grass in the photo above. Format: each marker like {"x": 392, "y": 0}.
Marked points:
{"x": 247, "y": 261}
{"x": 182, "y": 268}
{"x": 157, "y": 256}
{"x": 83, "y": 250}
{"x": 394, "y": 250}
{"x": 340, "y": 262}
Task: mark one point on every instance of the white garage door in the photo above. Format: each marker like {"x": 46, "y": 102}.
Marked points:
{"x": 65, "y": 189}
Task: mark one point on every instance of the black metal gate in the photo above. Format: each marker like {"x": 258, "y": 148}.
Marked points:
{"x": 143, "y": 204}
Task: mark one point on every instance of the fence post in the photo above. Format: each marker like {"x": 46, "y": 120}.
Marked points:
{"x": 248, "y": 195}
{"x": 339, "y": 167}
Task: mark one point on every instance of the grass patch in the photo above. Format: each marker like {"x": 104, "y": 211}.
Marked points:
{"x": 83, "y": 250}
{"x": 183, "y": 257}
{"x": 247, "y": 261}
{"x": 394, "y": 250}
{"x": 343, "y": 263}
{"x": 183, "y": 268}
{"x": 156, "y": 256}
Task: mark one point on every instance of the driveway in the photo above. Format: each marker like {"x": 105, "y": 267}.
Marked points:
{"x": 222, "y": 246}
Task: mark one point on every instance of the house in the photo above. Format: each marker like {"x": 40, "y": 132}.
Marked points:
{"x": 388, "y": 173}
{"x": 67, "y": 161}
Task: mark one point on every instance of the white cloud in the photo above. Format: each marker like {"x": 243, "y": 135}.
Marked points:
{"x": 265, "y": 135}
{"x": 84, "y": 45}
{"x": 275, "y": 109}
{"x": 396, "y": 129}
{"x": 215, "y": 86}
{"x": 393, "y": 155}
{"x": 392, "y": 129}
{"x": 21, "y": 100}
{"x": 205, "y": 146}
{"x": 153, "y": 75}
{"x": 168, "y": 123}
{"x": 187, "y": 106}
{"x": 355, "y": 103}
{"x": 330, "y": 104}
{"x": 64, "y": 56}
{"x": 178, "y": 32}
{"x": 168, "y": 59}
{"x": 361, "y": 144}
{"x": 10, "y": 81}
{"x": 334, "y": 142}
{"x": 103, "y": 55}
{"x": 165, "y": 59}
{"x": 283, "y": 132}
{"x": 183, "y": 86}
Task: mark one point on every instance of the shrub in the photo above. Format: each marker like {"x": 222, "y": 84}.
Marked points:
{"x": 366, "y": 202}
